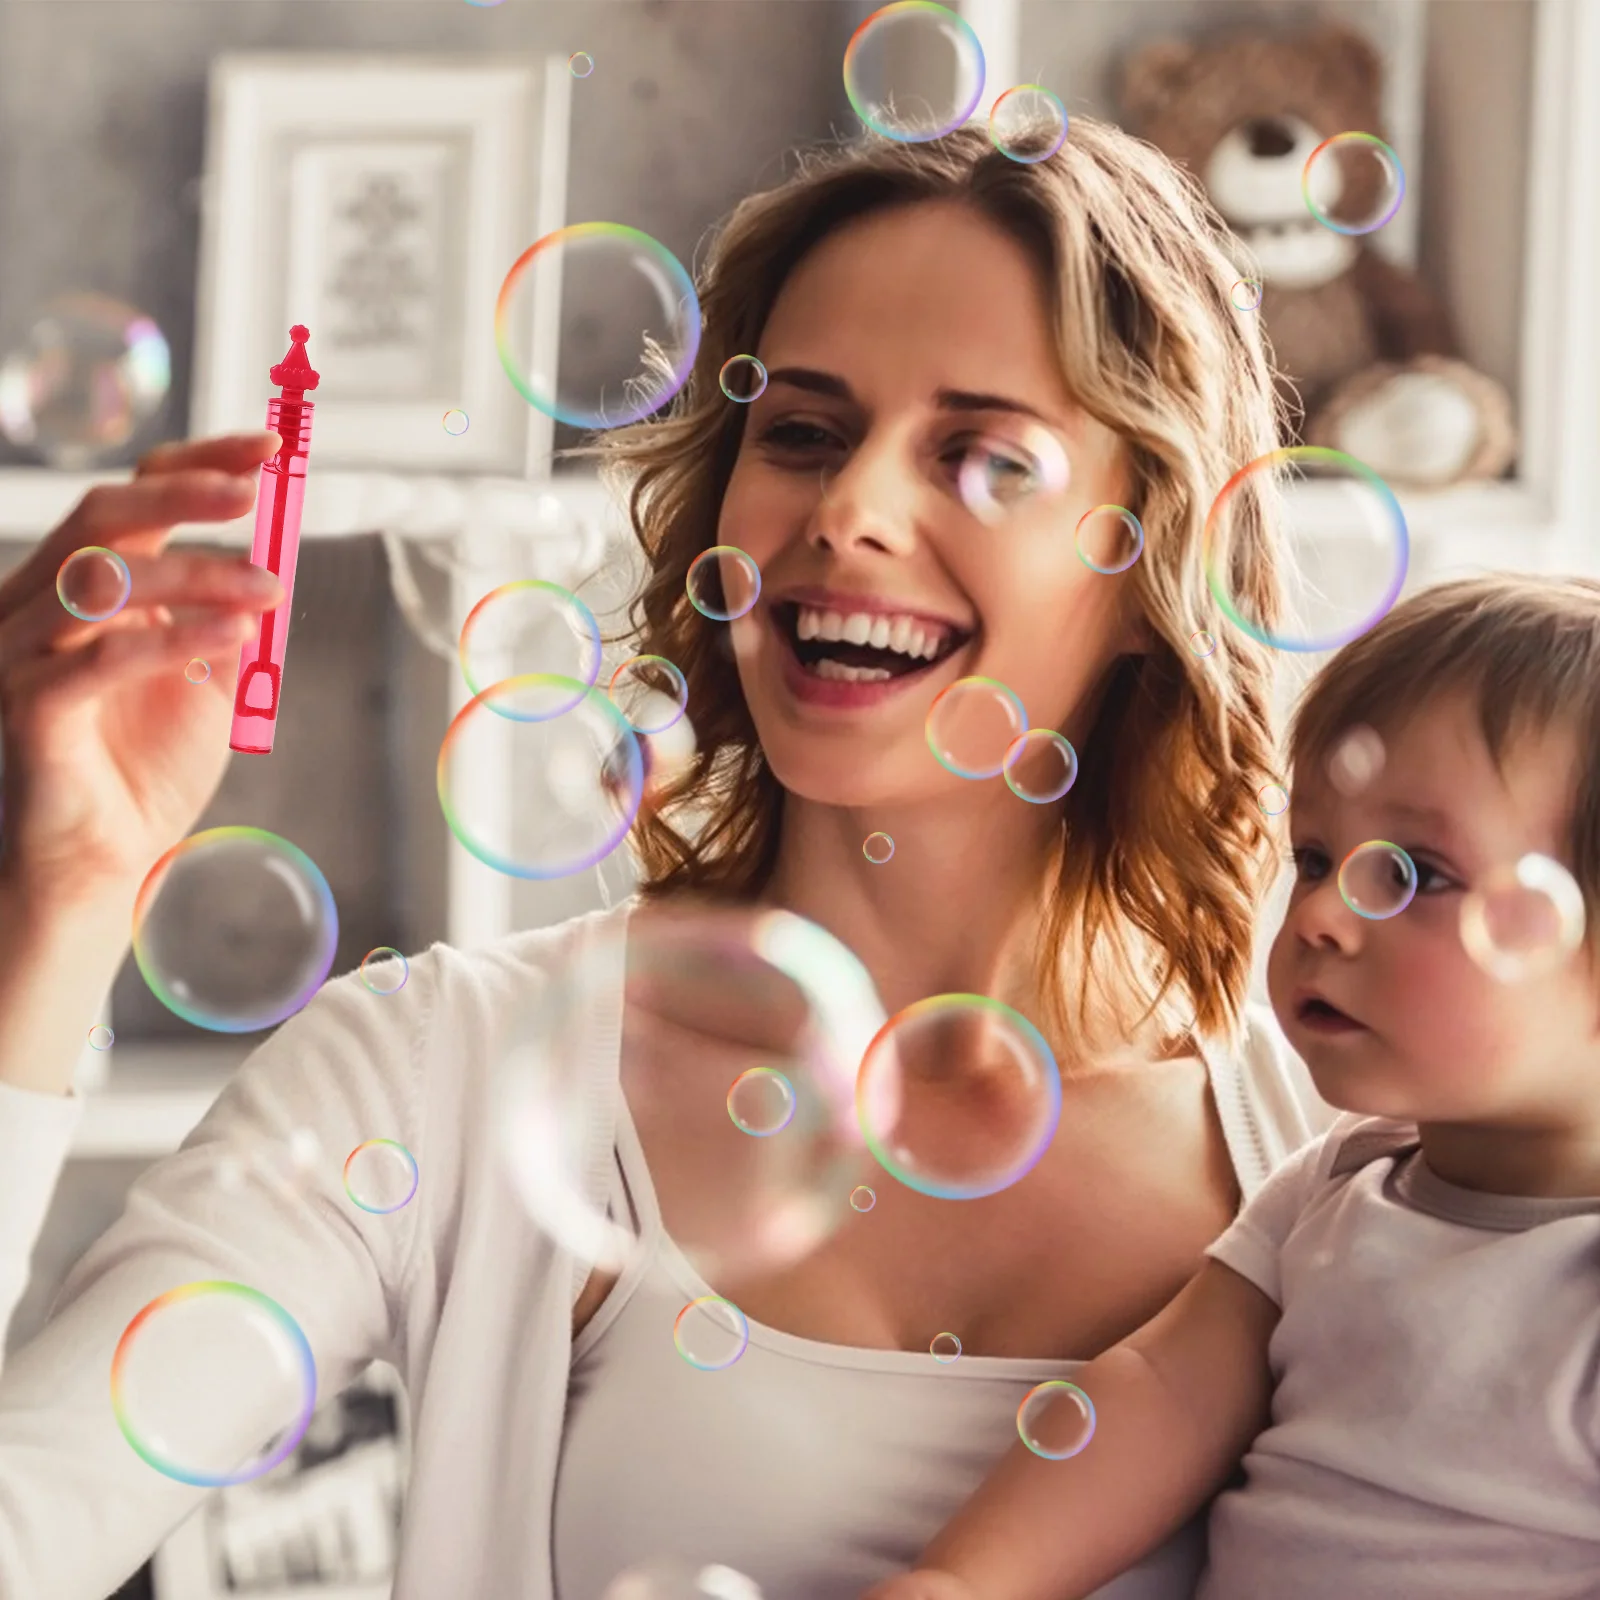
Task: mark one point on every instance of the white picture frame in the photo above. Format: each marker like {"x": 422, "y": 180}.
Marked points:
{"x": 379, "y": 201}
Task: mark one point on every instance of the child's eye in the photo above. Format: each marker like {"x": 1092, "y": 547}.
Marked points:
{"x": 1430, "y": 879}
{"x": 1310, "y": 864}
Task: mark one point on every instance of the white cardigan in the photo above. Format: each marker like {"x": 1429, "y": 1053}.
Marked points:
{"x": 458, "y": 1290}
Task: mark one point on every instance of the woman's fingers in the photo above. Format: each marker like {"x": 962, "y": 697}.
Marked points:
{"x": 235, "y": 453}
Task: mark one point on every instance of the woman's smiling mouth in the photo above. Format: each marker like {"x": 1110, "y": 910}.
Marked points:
{"x": 851, "y": 659}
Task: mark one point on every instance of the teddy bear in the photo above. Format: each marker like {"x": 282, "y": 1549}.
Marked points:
{"x": 1369, "y": 363}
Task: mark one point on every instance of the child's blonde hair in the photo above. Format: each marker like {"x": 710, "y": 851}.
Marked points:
{"x": 1526, "y": 650}
{"x": 1164, "y": 859}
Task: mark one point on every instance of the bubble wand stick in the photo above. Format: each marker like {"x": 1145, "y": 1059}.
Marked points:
{"x": 276, "y": 547}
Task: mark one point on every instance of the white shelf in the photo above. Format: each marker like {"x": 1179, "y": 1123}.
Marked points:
{"x": 152, "y": 1098}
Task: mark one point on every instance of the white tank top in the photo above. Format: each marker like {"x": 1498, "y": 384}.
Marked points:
{"x": 815, "y": 1469}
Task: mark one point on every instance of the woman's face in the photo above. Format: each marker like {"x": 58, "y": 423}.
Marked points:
{"x": 903, "y": 345}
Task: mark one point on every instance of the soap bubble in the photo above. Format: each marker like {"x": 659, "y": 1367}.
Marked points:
{"x": 90, "y": 374}
{"x": 101, "y": 1037}
{"x": 580, "y": 63}
{"x": 529, "y": 628}
{"x": 213, "y": 1383}
{"x": 1343, "y": 541}
{"x": 1377, "y": 880}
{"x": 197, "y": 671}
{"x": 1203, "y": 643}
{"x": 1056, "y": 1419}
{"x": 914, "y": 71}
{"x": 1040, "y": 766}
{"x": 674, "y": 1578}
{"x": 972, "y": 725}
{"x": 235, "y": 929}
{"x": 1355, "y": 761}
{"x": 576, "y": 774}
{"x": 708, "y": 995}
{"x": 1246, "y": 294}
{"x": 629, "y": 320}
{"x": 456, "y": 423}
{"x": 1353, "y": 183}
{"x": 863, "y": 1197}
{"x": 1524, "y": 919}
{"x": 958, "y": 1096}
{"x": 999, "y": 477}
{"x": 945, "y": 1348}
{"x": 761, "y": 1102}
{"x": 380, "y": 1176}
{"x": 1110, "y": 539}
{"x": 385, "y": 970}
{"x": 723, "y": 583}
{"x": 711, "y": 1333}
{"x": 1028, "y": 123}
{"x": 94, "y": 583}
{"x": 1273, "y": 798}
{"x": 878, "y": 848}
{"x": 743, "y": 378}
{"x": 650, "y": 692}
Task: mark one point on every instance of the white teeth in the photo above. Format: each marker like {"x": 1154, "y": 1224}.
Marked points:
{"x": 857, "y": 628}
{"x": 827, "y": 667}
{"x": 878, "y": 637}
{"x": 900, "y": 634}
{"x": 903, "y": 634}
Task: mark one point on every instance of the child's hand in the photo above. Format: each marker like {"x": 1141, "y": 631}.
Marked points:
{"x": 922, "y": 1586}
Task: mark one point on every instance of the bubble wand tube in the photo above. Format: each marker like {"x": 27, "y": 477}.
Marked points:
{"x": 276, "y": 547}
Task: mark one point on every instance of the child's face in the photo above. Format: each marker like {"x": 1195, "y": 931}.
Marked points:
{"x": 847, "y": 481}
{"x": 1423, "y": 1033}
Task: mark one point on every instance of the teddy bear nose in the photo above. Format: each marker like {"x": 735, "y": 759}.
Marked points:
{"x": 1269, "y": 137}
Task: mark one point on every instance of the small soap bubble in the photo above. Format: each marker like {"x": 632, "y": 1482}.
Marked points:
{"x": 101, "y": 1037}
{"x": 1000, "y": 477}
{"x": 1524, "y": 919}
{"x": 1273, "y": 798}
{"x": 530, "y": 628}
{"x": 958, "y": 1096}
{"x": 1028, "y": 123}
{"x": 1378, "y": 880}
{"x": 650, "y": 692}
{"x": 863, "y": 1197}
{"x": 972, "y": 726}
{"x": 93, "y": 583}
{"x": 580, "y": 63}
{"x": 1110, "y": 539}
{"x": 723, "y": 583}
{"x": 1355, "y": 761}
{"x": 630, "y": 325}
{"x": 1040, "y": 766}
{"x": 197, "y": 671}
{"x": 761, "y": 1102}
{"x": 945, "y": 1348}
{"x": 1246, "y": 294}
{"x": 879, "y": 847}
{"x": 385, "y": 970}
{"x": 456, "y": 423}
{"x": 743, "y": 378}
{"x": 1203, "y": 643}
{"x": 213, "y": 1383}
{"x": 380, "y": 1176}
{"x": 1056, "y": 1420}
{"x": 1353, "y": 183}
{"x": 234, "y": 929}
{"x": 674, "y": 1578}
{"x": 914, "y": 71}
{"x": 711, "y": 1333}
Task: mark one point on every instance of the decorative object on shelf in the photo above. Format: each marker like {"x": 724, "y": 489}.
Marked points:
{"x": 328, "y": 202}
{"x": 1364, "y": 344}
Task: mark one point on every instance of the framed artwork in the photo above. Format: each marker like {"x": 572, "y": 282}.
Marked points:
{"x": 379, "y": 201}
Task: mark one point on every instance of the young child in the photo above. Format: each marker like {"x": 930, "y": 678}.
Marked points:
{"x": 1400, "y": 1334}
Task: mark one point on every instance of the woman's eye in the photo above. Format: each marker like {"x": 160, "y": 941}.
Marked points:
{"x": 1003, "y": 476}
{"x": 798, "y": 436}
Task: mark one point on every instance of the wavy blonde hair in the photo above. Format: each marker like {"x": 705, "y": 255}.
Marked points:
{"x": 1169, "y": 854}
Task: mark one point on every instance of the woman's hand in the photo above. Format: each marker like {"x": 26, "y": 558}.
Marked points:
{"x": 110, "y": 753}
{"x": 922, "y": 1586}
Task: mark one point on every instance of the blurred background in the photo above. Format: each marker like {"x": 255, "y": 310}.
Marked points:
{"x": 182, "y": 179}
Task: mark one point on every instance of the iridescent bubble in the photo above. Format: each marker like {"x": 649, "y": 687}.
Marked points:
{"x": 958, "y": 1096}
{"x": 1056, "y": 1419}
{"x": 580, "y": 63}
{"x": 761, "y": 1102}
{"x": 1028, "y": 123}
{"x": 1353, "y": 183}
{"x": 711, "y": 1333}
{"x": 945, "y": 1348}
{"x": 213, "y": 1383}
{"x": 674, "y": 1578}
{"x": 90, "y": 374}
{"x": 1203, "y": 643}
{"x": 878, "y": 848}
{"x": 380, "y": 1176}
{"x": 531, "y": 628}
{"x": 456, "y": 423}
{"x": 1355, "y": 761}
{"x": 101, "y": 1037}
{"x": 235, "y": 929}
{"x": 1110, "y": 539}
{"x": 743, "y": 378}
{"x": 1040, "y": 766}
{"x": 1246, "y": 294}
{"x": 1378, "y": 880}
{"x": 1002, "y": 476}
{"x": 914, "y": 71}
{"x": 1273, "y": 798}
{"x": 94, "y": 583}
{"x": 1343, "y": 542}
{"x": 629, "y": 317}
{"x": 863, "y": 1198}
{"x": 384, "y": 970}
{"x": 197, "y": 671}
{"x": 972, "y": 725}
{"x": 650, "y": 692}
{"x": 1524, "y": 919}
{"x": 723, "y": 583}
{"x": 567, "y": 755}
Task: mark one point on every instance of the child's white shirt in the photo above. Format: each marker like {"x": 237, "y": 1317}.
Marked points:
{"x": 1435, "y": 1427}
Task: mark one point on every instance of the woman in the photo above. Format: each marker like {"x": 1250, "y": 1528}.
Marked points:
{"x": 917, "y": 308}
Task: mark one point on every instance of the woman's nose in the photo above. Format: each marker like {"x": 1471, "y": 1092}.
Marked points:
{"x": 867, "y": 502}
